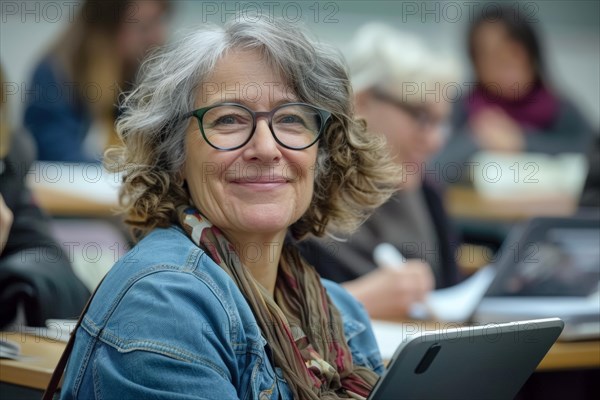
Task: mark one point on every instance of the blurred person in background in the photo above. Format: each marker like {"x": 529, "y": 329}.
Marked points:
{"x": 513, "y": 107}
{"x": 36, "y": 279}
{"x": 77, "y": 83}
{"x": 390, "y": 73}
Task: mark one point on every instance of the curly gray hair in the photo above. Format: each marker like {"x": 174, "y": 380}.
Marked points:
{"x": 354, "y": 172}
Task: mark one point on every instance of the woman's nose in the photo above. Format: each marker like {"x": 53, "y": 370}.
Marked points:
{"x": 263, "y": 145}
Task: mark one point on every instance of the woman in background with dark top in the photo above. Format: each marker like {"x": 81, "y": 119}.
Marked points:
{"x": 393, "y": 75}
{"x": 513, "y": 107}
{"x": 78, "y": 82}
{"x": 35, "y": 275}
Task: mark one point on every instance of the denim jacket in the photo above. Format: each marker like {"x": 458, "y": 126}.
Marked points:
{"x": 169, "y": 323}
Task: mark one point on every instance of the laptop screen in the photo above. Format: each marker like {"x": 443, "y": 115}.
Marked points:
{"x": 559, "y": 261}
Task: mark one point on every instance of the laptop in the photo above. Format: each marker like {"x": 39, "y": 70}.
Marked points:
{"x": 548, "y": 267}
{"x": 484, "y": 362}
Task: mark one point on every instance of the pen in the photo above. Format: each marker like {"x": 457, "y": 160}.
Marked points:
{"x": 387, "y": 255}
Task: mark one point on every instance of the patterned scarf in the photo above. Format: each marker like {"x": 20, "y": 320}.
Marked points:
{"x": 300, "y": 323}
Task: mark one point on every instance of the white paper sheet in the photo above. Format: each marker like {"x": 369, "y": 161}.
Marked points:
{"x": 457, "y": 303}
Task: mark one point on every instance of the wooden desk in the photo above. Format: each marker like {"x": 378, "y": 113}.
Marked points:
{"x": 573, "y": 355}
{"x": 74, "y": 189}
{"x": 463, "y": 202}
{"x": 42, "y": 355}
{"x": 59, "y": 203}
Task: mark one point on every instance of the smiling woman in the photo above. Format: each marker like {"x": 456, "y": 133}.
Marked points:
{"x": 238, "y": 142}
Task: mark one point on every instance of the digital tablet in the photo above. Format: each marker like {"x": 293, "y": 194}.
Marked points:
{"x": 477, "y": 362}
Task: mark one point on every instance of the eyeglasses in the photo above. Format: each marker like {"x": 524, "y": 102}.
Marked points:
{"x": 423, "y": 118}
{"x": 229, "y": 126}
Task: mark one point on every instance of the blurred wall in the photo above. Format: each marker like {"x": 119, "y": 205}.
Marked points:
{"x": 570, "y": 30}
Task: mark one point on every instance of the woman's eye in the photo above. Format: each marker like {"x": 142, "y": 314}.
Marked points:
{"x": 227, "y": 120}
{"x": 290, "y": 119}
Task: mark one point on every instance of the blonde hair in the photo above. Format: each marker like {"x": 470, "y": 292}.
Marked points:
{"x": 354, "y": 172}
